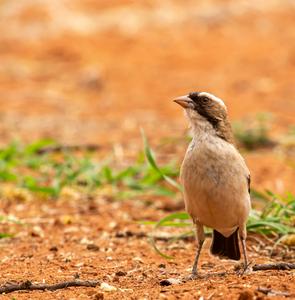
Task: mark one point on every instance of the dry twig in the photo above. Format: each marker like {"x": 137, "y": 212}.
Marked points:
{"x": 274, "y": 266}
{"x": 61, "y": 148}
{"x": 270, "y": 292}
{"x": 29, "y": 286}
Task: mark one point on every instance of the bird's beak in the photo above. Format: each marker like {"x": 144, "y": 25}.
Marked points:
{"x": 184, "y": 101}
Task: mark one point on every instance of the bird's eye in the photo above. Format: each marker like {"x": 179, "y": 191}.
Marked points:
{"x": 205, "y": 99}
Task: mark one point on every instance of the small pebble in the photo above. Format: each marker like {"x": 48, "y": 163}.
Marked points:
{"x": 98, "y": 296}
{"x": 92, "y": 247}
{"x": 107, "y": 288}
{"x": 246, "y": 295}
{"x": 169, "y": 281}
{"x": 121, "y": 273}
{"x": 53, "y": 248}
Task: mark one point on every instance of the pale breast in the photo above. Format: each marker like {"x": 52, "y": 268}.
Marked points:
{"x": 214, "y": 177}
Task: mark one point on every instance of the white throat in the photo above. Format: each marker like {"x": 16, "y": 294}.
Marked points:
{"x": 200, "y": 127}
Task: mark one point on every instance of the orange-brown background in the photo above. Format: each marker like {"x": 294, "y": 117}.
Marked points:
{"x": 96, "y": 71}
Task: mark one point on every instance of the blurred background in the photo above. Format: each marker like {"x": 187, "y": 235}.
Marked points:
{"x": 95, "y": 71}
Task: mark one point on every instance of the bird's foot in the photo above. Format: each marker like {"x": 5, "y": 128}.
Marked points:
{"x": 244, "y": 269}
{"x": 193, "y": 276}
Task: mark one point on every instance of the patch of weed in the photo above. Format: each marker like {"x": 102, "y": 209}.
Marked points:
{"x": 253, "y": 133}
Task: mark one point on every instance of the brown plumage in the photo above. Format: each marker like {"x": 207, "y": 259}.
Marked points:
{"x": 215, "y": 113}
{"x": 215, "y": 178}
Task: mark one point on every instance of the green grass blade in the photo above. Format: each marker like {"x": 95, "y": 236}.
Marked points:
{"x": 171, "y": 217}
{"x": 5, "y": 235}
{"x": 153, "y": 243}
{"x": 167, "y": 222}
{"x": 152, "y": 162}
{"x": 33, "y": 148}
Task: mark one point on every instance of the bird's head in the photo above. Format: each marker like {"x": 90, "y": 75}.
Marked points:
{"x": 206, "y": 112}
{"x": 203, "y": 107}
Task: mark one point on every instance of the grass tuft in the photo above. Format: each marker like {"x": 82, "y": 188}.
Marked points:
{"x": 46, "y": 175}
{"x": 253, "y": 133}
{"x": 275, "y": 218}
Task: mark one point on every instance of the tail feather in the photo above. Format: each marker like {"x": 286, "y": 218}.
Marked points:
{"x": 226, "y": 247}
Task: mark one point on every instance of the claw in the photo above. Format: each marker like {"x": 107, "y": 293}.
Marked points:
{"x": 190, "y": 277}
{"x": 194, "y": 276}
{"x": 245, "y": 270}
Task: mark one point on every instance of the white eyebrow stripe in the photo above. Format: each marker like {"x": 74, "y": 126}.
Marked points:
{"x": 214, "y": 98}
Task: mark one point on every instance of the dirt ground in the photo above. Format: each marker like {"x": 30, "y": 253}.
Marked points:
{"x": 101, "y": 240}
{"x": 95, "y": 72}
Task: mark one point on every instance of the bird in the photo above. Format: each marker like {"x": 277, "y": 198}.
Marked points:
{"x": 215, "y": 179}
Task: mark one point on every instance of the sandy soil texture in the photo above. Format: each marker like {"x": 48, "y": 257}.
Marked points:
{"x": 95, "y": 72}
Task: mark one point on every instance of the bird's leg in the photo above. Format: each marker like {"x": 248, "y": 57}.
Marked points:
{"x": 244, "y": 249}
{"x": 244, "y": 253}
{"x": 200, "y": 240}
{"x": 246, "y": 261}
